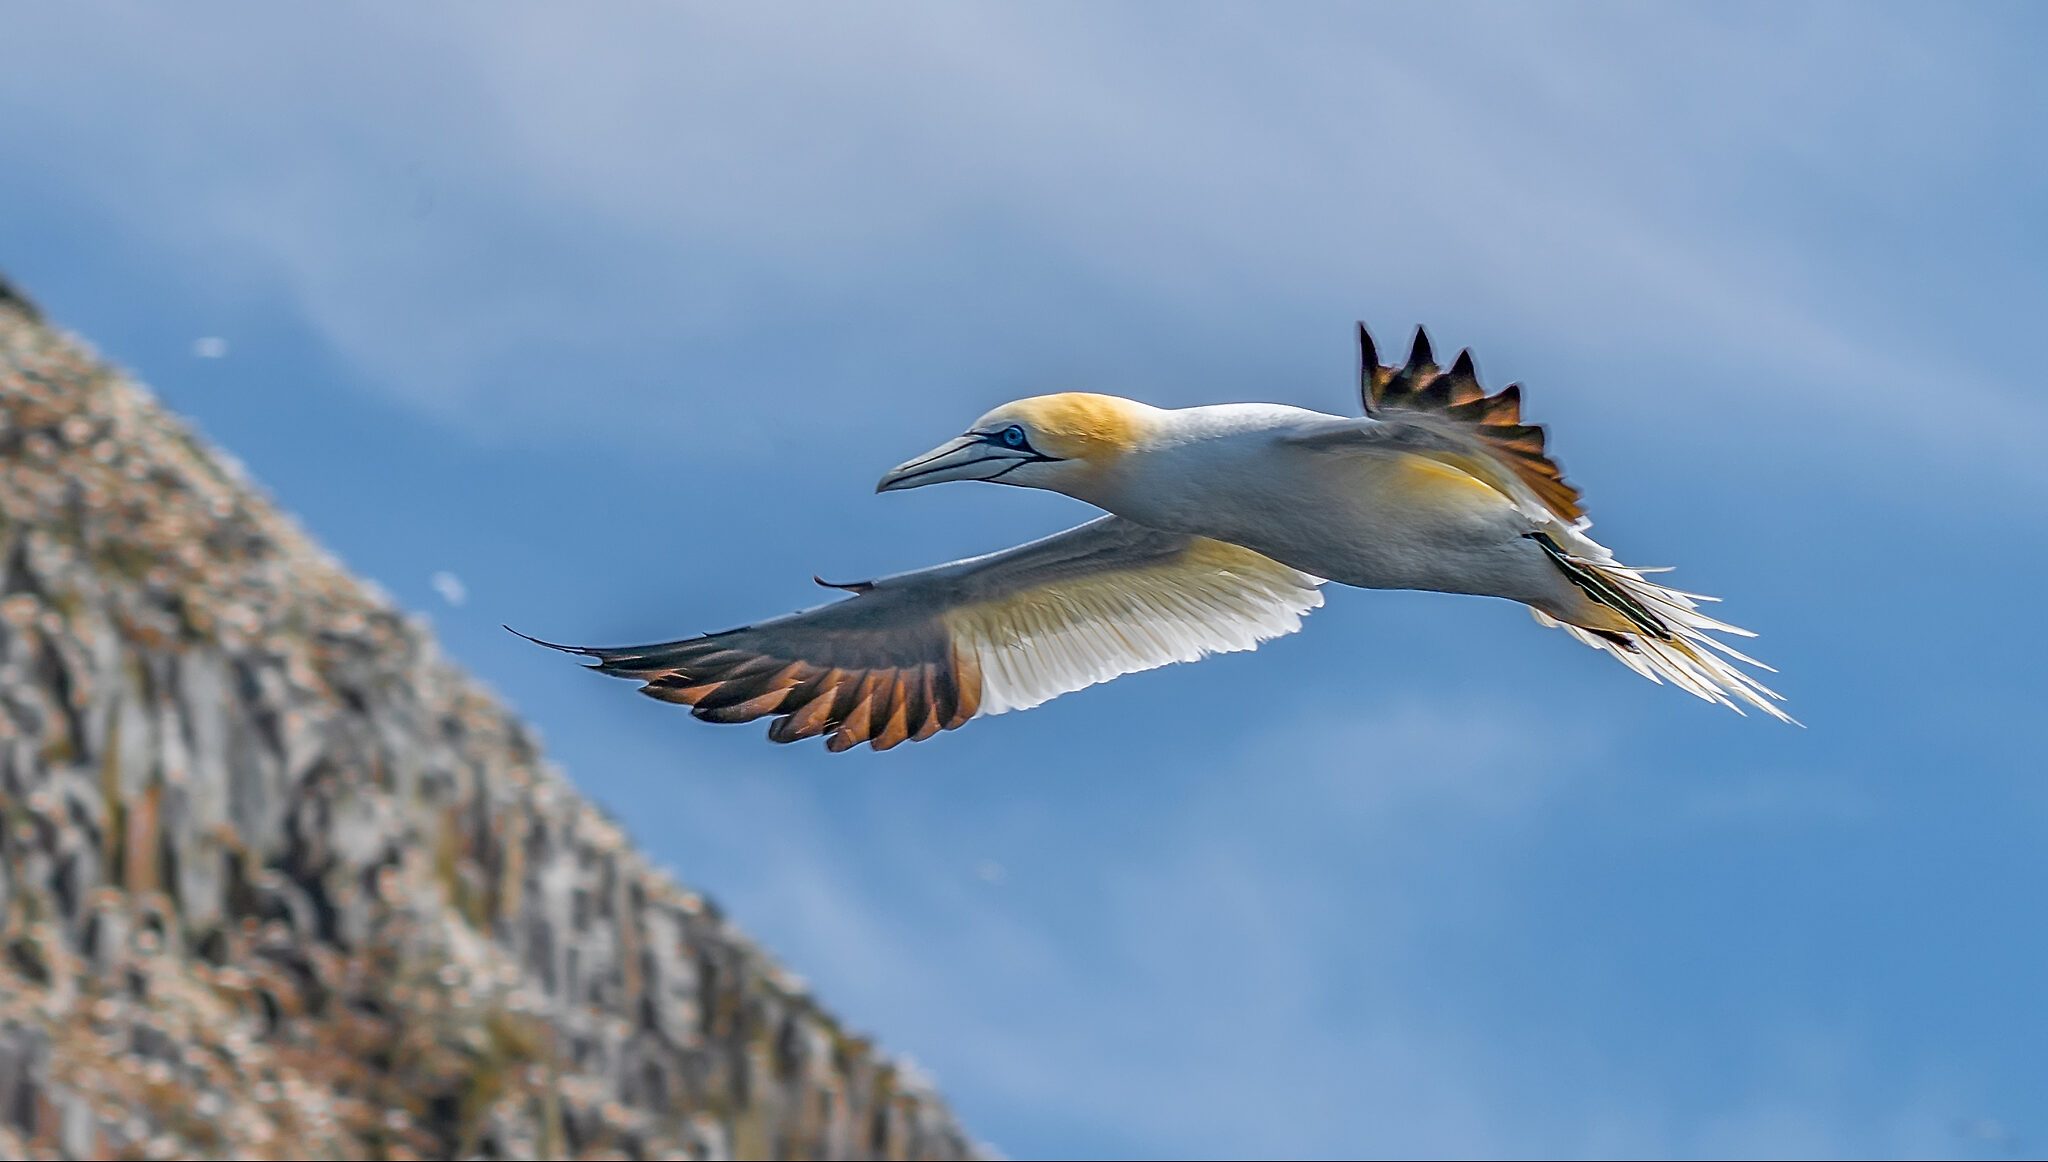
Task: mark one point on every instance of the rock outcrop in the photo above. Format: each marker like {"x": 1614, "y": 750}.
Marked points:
{"x": 278, "y": 881}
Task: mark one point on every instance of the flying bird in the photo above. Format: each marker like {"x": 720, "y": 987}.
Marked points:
{"x": 1223, "y": 523}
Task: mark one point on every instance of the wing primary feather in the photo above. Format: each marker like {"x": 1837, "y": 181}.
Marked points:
{"x": 945, "y": 697}
{"x": 585, "y": 651}
{"x": 895, "y": 724}
{"x": 1419, "y": 354}
{"x": 809, "y": 708}
{"x": 930, "y": 722}
{"x": 912, "y": 686}
{"x": 1451, "y": 407}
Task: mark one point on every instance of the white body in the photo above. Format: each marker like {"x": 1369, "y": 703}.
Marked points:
{"x": 1450, "y": 492}
{"x": 1360, "y": 515}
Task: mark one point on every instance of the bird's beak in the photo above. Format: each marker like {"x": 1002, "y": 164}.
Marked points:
{"x": 962, "y": 458}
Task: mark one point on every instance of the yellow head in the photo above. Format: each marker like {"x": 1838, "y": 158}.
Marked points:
{"x": 1058, "y": 442}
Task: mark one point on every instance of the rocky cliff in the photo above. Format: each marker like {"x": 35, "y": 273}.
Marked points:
{"x": 278, "y": 881}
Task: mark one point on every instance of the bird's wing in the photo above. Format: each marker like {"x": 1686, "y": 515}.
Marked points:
{"x": 1447, "y": 416}
{"x": 920, "y": 652}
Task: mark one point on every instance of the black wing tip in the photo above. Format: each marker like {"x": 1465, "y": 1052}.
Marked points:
{"x": 1420, "y": 351}
{"x": 586, "y": 651}
{"x": 1419, "y": 354}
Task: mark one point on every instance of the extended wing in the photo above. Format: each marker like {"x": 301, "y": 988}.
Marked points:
{"x": 920, "y": 652}
{"x": 1420, "y": 410}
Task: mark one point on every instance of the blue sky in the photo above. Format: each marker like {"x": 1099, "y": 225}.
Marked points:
{"x": 616, "y": 319}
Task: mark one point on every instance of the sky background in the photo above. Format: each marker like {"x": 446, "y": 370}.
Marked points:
{"x": 615, "y": 319}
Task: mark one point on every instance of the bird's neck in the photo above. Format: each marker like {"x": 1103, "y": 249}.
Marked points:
{"x": 1150, "y": 479}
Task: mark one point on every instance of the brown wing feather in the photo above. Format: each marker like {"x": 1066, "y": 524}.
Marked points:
{"x": 849, "y": 686}
{"x": 1419, "y": 387}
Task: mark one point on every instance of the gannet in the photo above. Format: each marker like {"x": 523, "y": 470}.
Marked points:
{"x": 1222, "y": 525}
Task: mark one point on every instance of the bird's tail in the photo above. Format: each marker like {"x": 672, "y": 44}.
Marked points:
{"x": 1667, "y": 636}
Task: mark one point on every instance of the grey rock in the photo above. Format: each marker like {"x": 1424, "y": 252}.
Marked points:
{"x": 276, "y": 880}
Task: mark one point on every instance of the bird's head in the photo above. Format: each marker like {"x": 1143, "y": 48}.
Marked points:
{"x": 1063, "y": 443}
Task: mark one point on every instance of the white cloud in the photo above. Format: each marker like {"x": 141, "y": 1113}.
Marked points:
{"x": 210, "y": 347}
{"x": 450, "y": 587}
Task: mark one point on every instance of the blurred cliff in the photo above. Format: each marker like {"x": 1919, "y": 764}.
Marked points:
{"x": 278, "y": 881}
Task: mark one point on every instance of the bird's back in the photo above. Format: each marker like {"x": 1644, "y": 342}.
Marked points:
{"x": 1360, "y": 515}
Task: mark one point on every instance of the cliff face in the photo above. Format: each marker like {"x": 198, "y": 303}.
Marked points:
{"x": 277, "y": 881}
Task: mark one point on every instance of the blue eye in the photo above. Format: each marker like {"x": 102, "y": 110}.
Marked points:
{"x": 1013, "y": 437}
